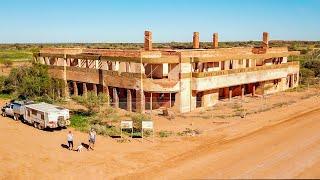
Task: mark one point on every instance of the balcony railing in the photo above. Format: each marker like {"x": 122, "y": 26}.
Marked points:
{"x": 250, "y": 69}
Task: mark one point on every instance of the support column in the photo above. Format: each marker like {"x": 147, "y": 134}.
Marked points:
{"x": 94, "y": 89}
{"x": 254, "y": 89}
{"x": 129, "y": 100}
{"x": 105, "y": 90}
{"x": 47, "y": 61}
{"x": 292, "y": 80}
{"x": 66, "y": 85}
{"x": 170, "y": 100}
{"x": 75, "y": 88}
{"x": 84, "y": 90}
{"x": 151, "y": 102}
{"x": 115, "y": 98}
{"x": 140, "y": 101}
{"x": 68, "y": 62}
{"x": 230, "y": 93}
{"x": 242, "y": 91}
{"x": 185, "y": 99}
{"x": 58, "y": 92}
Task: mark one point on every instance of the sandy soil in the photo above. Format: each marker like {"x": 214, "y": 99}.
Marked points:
{"x": 283, "y": 142}
{"x": 4, "y": 71}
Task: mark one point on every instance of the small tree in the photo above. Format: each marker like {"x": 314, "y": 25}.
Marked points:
{"x": 95, "y": 103}
{"x": 313, "y": 65}
{"x": 33, "y": 81}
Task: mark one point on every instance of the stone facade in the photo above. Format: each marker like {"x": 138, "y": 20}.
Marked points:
{"x": 181, "y": 79}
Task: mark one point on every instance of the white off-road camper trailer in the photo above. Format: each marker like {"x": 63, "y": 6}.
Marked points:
{"x": 43, "y": 115}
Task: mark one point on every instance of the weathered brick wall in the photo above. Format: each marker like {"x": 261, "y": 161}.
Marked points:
{"x": 114, "y": 79}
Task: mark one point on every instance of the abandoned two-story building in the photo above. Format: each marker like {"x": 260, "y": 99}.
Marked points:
{"x": 181, "y": 79}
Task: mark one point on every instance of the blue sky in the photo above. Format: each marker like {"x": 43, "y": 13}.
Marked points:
{"x": 169, "y": 20}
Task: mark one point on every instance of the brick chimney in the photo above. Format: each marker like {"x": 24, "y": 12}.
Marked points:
{"x": 196, "y": 43}
{"x": 148, "y": 40}
{"x": 265, "y": 40}
{"x": 215, "y": 40}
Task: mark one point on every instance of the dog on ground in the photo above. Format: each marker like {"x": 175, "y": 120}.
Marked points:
{"x": 80, "y": 148}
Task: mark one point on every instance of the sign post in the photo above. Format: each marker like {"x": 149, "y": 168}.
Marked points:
{"x": 126, "y": 125}
{"x": 148, "y": 125}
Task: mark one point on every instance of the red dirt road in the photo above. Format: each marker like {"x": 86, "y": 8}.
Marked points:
{"x": 281, "y": 143}
{"x": 287, "y": 150}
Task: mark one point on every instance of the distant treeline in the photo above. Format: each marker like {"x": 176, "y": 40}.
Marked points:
{"x": 292, "y": 45}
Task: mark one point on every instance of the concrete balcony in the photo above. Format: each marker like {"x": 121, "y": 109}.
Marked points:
{"x": 219, "y": 79}
{"x": 114, "y": 78}
{"x": 161, "y": 85}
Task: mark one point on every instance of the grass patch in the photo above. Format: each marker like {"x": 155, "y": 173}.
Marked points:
{"x": 6, "y": 96}
{"x": 189, "y": 132}
{"x": 15, "y": 55}
{"x": 164, "y": 133}
{"x": 83, "y": 121}
{"x": 80, "y": 122}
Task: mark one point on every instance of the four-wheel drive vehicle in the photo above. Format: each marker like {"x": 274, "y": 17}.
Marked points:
{"x": 15, "y": 109}
{"x": 43, "y": 115}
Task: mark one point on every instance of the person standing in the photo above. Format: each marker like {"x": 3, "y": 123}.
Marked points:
{"x": 70, "y": 140}
{"x": 92, "y": 139}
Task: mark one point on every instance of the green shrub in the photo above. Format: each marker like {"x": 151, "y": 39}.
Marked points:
{"x": 313, "y": 65}
{"x": 307, "y": 76}
{"x": 33, "y": 82}
{"x": 80, "y": 122}
{"x": 105, "y": 130}
{"x": 92, "y": 101}
{"x": 189, "y": 132}
{"x": 165, "y": 133}
{"x": 78, "y": 99}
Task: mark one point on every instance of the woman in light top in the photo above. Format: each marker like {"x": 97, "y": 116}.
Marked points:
{"x": 92, "y": 139}
{"x": 70, "y": 140}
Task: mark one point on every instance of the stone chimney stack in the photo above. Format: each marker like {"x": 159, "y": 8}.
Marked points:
{"x": 196, "y": 43}
{"x": 265, "y": 40}
{"x": 147, "y": 40}
{"x": 215, "y": 40}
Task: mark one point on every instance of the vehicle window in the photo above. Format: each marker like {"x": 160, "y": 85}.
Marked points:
{"x": 42, "y": 116}
{"x": 34, "y": 112}
{"x": 28, "y": 112}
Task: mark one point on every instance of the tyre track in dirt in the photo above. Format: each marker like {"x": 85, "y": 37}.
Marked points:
{"x": 174, "y": 167}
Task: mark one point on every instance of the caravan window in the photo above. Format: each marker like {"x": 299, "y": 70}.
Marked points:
{"x": 34, "y": 112}
{"x": 42, "y": 116}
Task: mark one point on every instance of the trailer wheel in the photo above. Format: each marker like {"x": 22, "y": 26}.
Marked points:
{"x": 4, "y": 114}
{"x": 35, "y": 124}
{"x": 40, "y": 126}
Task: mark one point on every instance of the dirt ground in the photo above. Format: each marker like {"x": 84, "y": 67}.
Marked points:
{"x": 4, "y": 70}
{"x": 278, "y": 138}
